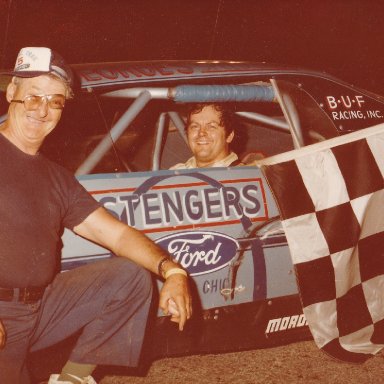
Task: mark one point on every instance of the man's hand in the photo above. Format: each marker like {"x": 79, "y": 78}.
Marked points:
{"x": 104, "y": 229}
{"x": 2, "y": 335}
{"x": 175, "y": 299}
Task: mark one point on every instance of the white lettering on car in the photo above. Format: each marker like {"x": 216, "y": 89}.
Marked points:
{"x": 345, "y": 101}
{"x": 284, "y": 323}
{"x": 346, "y": 107}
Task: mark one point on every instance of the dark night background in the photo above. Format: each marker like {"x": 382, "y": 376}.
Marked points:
{"x": 342, "y": 37}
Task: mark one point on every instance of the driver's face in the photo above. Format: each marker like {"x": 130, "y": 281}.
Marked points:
{"x": 207, "y": 137}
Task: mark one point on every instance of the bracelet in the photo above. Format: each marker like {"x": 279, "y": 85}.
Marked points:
{"x": 160, "y": 268}
{"x": 174, "y": 271}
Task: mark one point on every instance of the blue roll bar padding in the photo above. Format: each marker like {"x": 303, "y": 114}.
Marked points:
{"x": 222, "y": 93}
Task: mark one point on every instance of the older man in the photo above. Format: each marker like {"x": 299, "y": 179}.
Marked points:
{"x": 107, "y": 300}
{"x": 210, "y": 132}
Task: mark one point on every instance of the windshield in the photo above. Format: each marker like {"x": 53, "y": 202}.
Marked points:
{"x": 89, "y": 119}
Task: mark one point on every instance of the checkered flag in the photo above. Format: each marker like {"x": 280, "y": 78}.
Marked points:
{"x": 331, "y": 198}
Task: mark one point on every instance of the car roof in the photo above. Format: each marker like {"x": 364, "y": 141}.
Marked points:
{"x": 111, "y": 74}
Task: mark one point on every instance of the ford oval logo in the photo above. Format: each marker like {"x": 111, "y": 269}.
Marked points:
{"x": 200, "y": 252}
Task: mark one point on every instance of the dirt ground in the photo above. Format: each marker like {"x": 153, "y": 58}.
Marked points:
{"x": 300, "y": 362}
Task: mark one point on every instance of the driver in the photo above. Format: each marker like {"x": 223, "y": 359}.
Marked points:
{"x": 209, "y": 132}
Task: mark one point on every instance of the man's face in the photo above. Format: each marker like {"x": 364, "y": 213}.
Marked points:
{"x": 207, "y": 137}
{"x": 29, "y": 128}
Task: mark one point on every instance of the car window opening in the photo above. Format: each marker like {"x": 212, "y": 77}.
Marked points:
{"x": 141, "y": 129}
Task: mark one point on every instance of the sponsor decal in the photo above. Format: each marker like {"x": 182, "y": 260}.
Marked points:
{"x": 216, "y": 285}
{"x": 350, "y": 107}
{"x": 200, "y": 252}
{"x": 284, "y": 323}
{"x": 183, "y": 205}
{"x": 125, "y": 73}
{"x": 134, "y": 72}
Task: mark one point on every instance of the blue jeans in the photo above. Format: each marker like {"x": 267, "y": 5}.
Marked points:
{"x": 108, "y": 300}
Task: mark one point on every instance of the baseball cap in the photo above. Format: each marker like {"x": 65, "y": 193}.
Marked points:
{"x": 36, "y": 61}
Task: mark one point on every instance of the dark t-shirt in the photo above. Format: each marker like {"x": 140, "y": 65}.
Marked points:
{"x": 38, "y": 198}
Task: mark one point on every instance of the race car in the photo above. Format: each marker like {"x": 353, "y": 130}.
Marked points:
{"x": 124, "y": 130}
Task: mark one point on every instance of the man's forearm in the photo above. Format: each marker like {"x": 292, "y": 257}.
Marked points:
{"x": 139, "y": 248}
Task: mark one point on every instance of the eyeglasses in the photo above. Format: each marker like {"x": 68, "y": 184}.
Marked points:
{"x": 33, "y": 102}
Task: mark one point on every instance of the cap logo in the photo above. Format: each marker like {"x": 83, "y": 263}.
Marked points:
{"x": 31, "y": 55}
{"x": 22, "y": 67}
